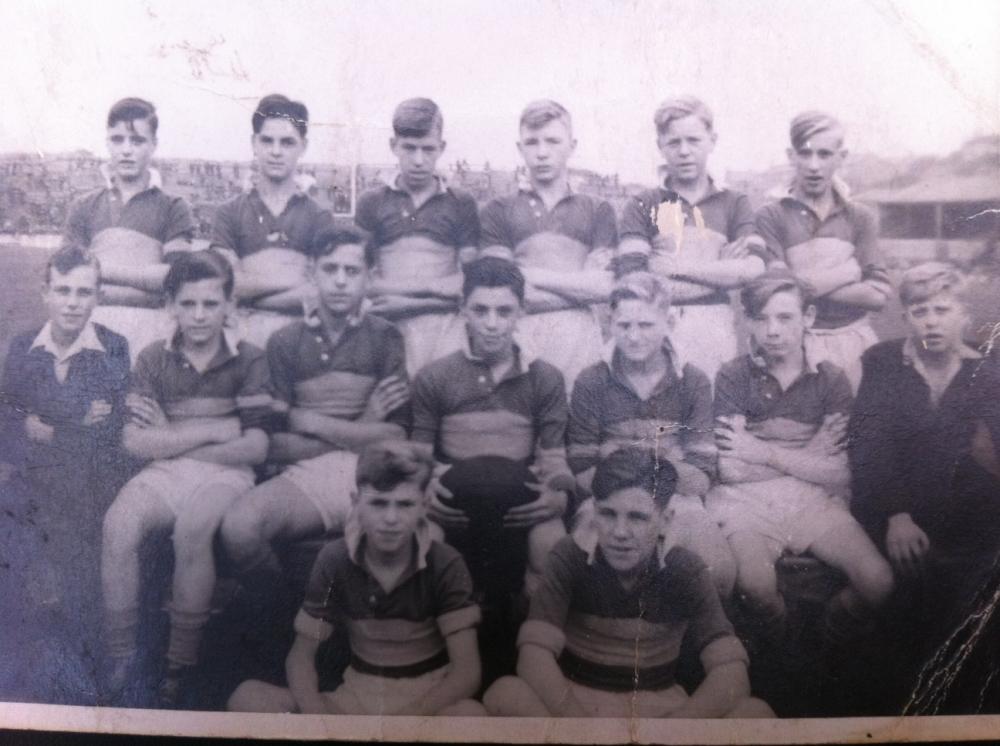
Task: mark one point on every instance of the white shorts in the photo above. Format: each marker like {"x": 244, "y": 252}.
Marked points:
{"x": 256, "y": 327}
{"x": 379, "y": 695}
{"x": 789, "y": 512}
{"x": 328, "y": 482}
{"x": 140, "y": 326}
{"x": 705, "y": 336}
{"x": 570, "y": 340}
{"x": 430, "y": 337}
{"x": 642, "y": 703}
{"x": 843, "y": 347}
{"x": 182, "y": 481}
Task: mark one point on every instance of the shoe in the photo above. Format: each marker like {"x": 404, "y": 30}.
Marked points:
{"x": 117, "y": 676}
{"x": 168, "y": 693}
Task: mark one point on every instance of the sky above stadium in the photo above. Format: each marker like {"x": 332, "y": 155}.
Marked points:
{"x": 907, "y": 77}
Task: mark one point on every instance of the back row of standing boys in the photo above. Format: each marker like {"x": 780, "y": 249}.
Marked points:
{"x": 464, "y": 330}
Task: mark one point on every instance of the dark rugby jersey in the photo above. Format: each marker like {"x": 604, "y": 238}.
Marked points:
{"x": 789, "y": 223}
{"x": 459, "y": 408}
{"x": 236, "y": 382}
{"x": 607, "y": 637}
{"x": 336, "y": 379}
{"x": 744, "y": 387}
{"x": 397, "y": 634}
{"x": 450, "y": 217}
{"x": 606, "y": 414}
{"x": 507, "y": 221}
{"x": 245, "y": 225}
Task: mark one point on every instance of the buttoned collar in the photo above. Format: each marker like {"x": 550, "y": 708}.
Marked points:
{"x": 523, "y": 356}
{"x": 87, "y": 339}
{"x": 313, "y": 320}
{"x": 525, "y": 187}
{"x": 611, "y": 356}
{"x": 840, "y": 192}
{"x": 111, "y": 182}
{"x": 758, "y": 360}
{"x": 227, "y": 350}
{"x": 668, "y": 192}
{"x": 395, "y": 177}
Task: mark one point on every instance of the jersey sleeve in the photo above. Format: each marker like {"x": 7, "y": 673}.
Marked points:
{"x": 281, "y": 365}
{"x": 394, "y": 364}
{"x": 366, "y": 213}
{"x": 839, "y": 398}
{"x": 14, "y": 402}
{"x": 767, "y": 224}
{"x": 317, "y": 616}
{"x": 866, "y": 249}
{"x": 551, "y": 415}
{"x": 425, "y": 408}
{"x": 145, "y": 379}
{"x": 455, "y": 609}
{"x": 584, "y": 430}
{"x": 253, "y": 401}
{"x": 180, "y": 224}
{"x": 77, "y": 228}
{"x": 493, "y": 227}
{"x": 636, "y": 220}
{"x": 730, "y": 392}
{"x": 742, "y": 222}
{"x": 605, "y": 227}
{"x": 550, "y": 603}
{"x": 225, "y": 234}
{"x": 697, "y": 437}
{"x": 322, "y": 221}
{"x": 467, "y": 230}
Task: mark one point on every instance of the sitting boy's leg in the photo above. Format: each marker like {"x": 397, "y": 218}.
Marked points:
{"x": 466, "y": 708}
{"x": 694, "y": 528}
{"x": 275, "y": 510}
{"x": 756, "y": 579}
{"x": 135, "y": 513}
{"x": 258, "y": 696}
{"x": 541, "y": 540}
{"x": 511, "y": 696}
{"x": 751, "y": 707}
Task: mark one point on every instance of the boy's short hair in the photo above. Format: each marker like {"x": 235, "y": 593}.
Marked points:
{"x": 329, "y": 239}
{"x": 387, "y": 464}
{"x": 761, "y": 289}
{"x": 417, "y": 117}
{"x": 276, "y": 106}
{"x": 635, "y": 467}
{"x": 68, "y": 258}
{"x": 643, "y": 286}
{"x": 539, "y": 113}
{"x": 193, "y": 266}
{"x": 492, "y": 272}
{"x": 811, "y": 123}
{"x": 129, "y": 109}
{"x": 679, "y": 107}
{"x": 926, "y": 280}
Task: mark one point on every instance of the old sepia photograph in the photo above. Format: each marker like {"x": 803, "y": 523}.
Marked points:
{"x": 547, "y": 371}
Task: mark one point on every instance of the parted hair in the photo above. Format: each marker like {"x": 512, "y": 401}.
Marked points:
{"x": 810, "y": 123}
{"x": 417, "y": 117}
{"x": 926, "y": 280}
{"x": 635, "y": 467}
{"x": 277, "y": 106}
{"x": 539, "y": 113}
{"x": 679, "y": 107}
{"x": 761, "y": 289}
{"x": 643, "y": 286}
{"x": 129, "y": 109}
{"x": 492, "y": 272}
{"x": 385, "y": 465}
{"x": 68, "y": 258}
{"x": 330, "y": 239}
{"x": 193, "y": 266}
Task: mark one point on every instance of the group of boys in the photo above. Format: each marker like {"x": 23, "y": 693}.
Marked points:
{"x": 432, "y": 392}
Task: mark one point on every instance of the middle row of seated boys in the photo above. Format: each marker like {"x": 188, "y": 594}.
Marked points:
{"x": 201, "y": 409}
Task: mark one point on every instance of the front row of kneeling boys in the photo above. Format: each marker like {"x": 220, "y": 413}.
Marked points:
{"x": 689, "y": 498}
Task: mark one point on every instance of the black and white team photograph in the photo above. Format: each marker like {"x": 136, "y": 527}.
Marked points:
{"x": 627, "y": 362}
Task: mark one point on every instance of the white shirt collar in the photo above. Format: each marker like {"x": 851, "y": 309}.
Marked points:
{"x": 155, "y": 178}
{"x": 86, "y": 340}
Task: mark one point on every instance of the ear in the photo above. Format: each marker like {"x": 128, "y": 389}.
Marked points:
{"x": 392, "y": 143}
{"x": 666, "y": 516}
{"x": 790, "y": 153}
{"x": 520, "y": 147}
{"x": 444, "y": 145}
{"x": 572, "y": 145}
{"x": 305, "y": 144}
{"x": 355, "y": 498}
{"x": 809, "y": 316}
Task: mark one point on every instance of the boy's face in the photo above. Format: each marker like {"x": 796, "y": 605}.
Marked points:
{"x": 546, "y": 150}
{"x": 389, "y": 519}
{"x": 341, "y": 278}
{"x": 816, "y": 161}
{"x": 639, "y": 329}
{"x": 131, "y": 146}
{"x": 277, "y": 149}
{"x": 780, "y": 326}
{"x": 629, "y": 525}
{"x": 685, "y": 147}
{"x": 70, "y": 298}
{"x": 418, "y": 157}
{"x": 491, "y": 316}
{"x": 938, "y": 323}
{"x": 200, "y": 310}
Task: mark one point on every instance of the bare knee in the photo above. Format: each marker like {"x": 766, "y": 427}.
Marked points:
{"x": 242, "y": 527}
{"x": 506, "y": 696}
{"x": 123, "y": 527}
{"x": 256, "y": 696}
{"x": 874, "y": 581}
{"x": 759, "y": 584}
{"x": 751, "y": 707}
{"x": 468, "y": 708}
